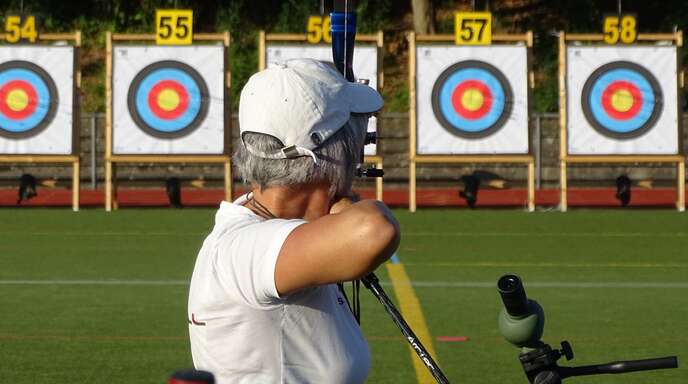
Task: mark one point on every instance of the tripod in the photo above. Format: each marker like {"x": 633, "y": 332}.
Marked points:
{"x": 521, "y": 322}
{"x": 540, "y": 365}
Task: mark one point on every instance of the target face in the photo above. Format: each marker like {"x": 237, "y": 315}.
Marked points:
{"x": 622, "y": 100}
{"x": 28, "y": 99}
{"x": 168, "y": 99}
{"x": 472, "y": 99}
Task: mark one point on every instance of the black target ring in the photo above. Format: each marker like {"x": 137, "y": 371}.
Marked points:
{"x": 488, "y": 115}
{"x": 640, "y": 100}
{"x": 178, "y": 78}
{"x": 28, "y": 99}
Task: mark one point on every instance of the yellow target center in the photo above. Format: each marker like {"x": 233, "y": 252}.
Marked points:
{"x": 17, "y": 99}
{"x": 472, "y": 99}
{"x": 168, "y": 99}
{"x": 622, "y": 100}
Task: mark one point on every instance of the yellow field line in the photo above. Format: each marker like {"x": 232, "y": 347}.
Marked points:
{"x": 410, "y": 309}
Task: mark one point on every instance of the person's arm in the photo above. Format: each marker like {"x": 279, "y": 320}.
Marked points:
{"x": 342, "y": 246}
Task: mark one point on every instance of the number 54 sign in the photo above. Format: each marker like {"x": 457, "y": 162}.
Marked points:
{"x": 473, "y": 28}
{"x": 173, "y": 26}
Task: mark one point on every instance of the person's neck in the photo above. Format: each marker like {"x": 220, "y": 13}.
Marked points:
{"x": 307, "y": 202}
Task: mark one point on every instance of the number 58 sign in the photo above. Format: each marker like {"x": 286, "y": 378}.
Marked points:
{"x": 173, "y": 26}
{"x": 473, "y": 28}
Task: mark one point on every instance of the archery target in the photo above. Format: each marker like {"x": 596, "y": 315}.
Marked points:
{"x": 36, "y": 101}
{"x": 28, "y": 99}
{"x": 622, "y": 100}
{"x": 365, "y": 67}
{"x": 168, "y": 100}
{"x": 472, "y": 100}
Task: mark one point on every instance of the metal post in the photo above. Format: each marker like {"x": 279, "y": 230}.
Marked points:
{"x": 93, "y": 151}
{"x": 538, "y": 155}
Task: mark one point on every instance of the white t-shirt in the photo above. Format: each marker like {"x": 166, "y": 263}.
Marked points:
{"x": 243, "y": 332}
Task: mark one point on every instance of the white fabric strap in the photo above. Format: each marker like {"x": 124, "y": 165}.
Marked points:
{"x": 290, "y": 152}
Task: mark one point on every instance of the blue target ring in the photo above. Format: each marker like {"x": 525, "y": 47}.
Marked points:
{"x": 168, "y": 99}
{"x": 472, "y": 99}
{"x": 28, "y": 99}
{"x": 622, "y": 100}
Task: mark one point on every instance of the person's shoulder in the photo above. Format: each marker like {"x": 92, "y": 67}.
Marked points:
{"x": 231, "y": 213}
{"x": 238, "y": 223}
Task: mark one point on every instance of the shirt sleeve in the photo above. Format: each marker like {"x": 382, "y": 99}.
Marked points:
{"x": 247, "y": 258}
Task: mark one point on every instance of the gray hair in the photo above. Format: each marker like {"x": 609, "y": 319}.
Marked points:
{"x": 337, "y": 160}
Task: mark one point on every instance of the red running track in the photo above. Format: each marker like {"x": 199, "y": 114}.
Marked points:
{"x": 430, "y": 197}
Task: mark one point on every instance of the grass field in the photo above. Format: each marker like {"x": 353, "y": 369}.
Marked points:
{"x": 92, "y": 297}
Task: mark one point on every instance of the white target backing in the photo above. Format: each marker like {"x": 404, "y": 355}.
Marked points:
{"x": 472, "y": 100}
{"x": 168, "y": 100}
{"x": 621, "y": 100}
{"x": 365, "y": 67}
{"x": 36, "y": 100}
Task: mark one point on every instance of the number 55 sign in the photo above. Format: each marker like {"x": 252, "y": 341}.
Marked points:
{"x": 173, "y": 26}
{"x": 473, "y": 28}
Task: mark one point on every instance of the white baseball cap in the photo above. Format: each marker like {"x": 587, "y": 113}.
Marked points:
{"x": 301, "y": 102}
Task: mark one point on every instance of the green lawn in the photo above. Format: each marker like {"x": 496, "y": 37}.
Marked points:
{"x": 135, "y": 331}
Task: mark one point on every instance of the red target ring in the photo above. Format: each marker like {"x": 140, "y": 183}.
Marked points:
{"x": 458, "y": 99}
{"x": 6, "y": 93}
{"x": 612, "y": 91}
{"x": 176, "y": 88}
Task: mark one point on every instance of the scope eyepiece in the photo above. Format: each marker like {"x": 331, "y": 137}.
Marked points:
{"x": 513, "y": 295}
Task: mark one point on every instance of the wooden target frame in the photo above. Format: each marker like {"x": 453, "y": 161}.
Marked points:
{"x": 73, "y": 158}
{"x": 415, "y": 159}
{"x": 111, "y": 160}
{"x": 565, "y": 158}
{"x": 376, "y": 39}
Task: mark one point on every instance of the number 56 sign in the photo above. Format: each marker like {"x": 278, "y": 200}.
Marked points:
{"x": 173, "y": 26}
{"x": 473, "y": 28}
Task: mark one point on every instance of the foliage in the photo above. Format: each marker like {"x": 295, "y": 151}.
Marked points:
{"x": 244, "y": 18}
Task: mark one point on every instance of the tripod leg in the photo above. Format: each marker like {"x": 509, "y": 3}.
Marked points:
{"x": 547, "y": 377}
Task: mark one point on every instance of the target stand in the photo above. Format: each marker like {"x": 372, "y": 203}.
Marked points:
{"x": 469, "y": 104}
{"x": 275, "y": 47}
{"x": 166, "y": 104}
{"x": 39, "y": 86}
{"x": 620, "y": 103}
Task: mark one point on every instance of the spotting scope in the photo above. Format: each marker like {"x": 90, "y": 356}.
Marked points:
{"x": 522, "y": 322}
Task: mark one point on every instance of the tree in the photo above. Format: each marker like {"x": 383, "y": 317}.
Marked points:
{"x": 423, "y": 16}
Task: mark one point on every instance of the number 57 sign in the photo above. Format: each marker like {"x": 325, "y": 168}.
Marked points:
{"x": 473, "y": 28}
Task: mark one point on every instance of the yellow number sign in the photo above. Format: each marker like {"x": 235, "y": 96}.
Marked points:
{"x": 173, "y": 26}
{"x": 318, "y": 30}
{"x": 473, "y": 28}
{"x": 620, "y": 29}
{"x": 20, "y": 28}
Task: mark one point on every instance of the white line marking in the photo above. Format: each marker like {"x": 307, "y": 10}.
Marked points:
{"x": 419, "y": 284}
{"x": 56, "y": 233}
{"x": 546, "y": 234}
{"x": 553, "y": 284}
{"x": 545, "y": 265}
{"x": 93, "y": 282}
{"x": 405, "y": 233}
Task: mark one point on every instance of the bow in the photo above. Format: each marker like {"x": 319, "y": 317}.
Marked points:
{"x": 343, "y": 29}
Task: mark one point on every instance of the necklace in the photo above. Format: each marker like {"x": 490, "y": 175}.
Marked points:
{"x": 259, "y": 208}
